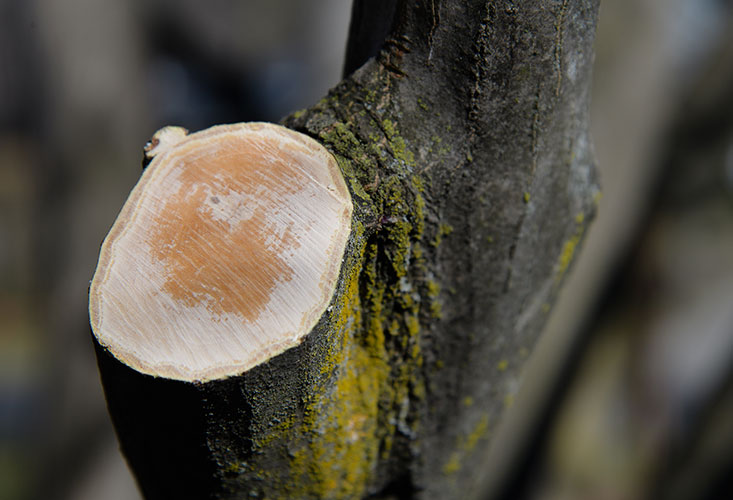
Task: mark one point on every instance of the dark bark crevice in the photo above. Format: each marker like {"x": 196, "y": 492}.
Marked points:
{"x": 371, "y": 22}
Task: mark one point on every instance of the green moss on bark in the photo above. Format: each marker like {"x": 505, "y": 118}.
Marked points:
{"x": 362, "y": 410}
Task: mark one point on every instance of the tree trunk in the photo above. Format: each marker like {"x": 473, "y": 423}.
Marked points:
{"x": 465, "y": 146}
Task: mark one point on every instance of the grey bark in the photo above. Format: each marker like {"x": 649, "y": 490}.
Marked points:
{"x": 465, "y": 146}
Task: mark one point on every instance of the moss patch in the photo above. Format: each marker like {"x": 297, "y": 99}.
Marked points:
{"x": 397, "y": 143}
{"x": 443, "y": 231}
{"x": 568, "y": 250}
{"x": 370, "y": 373}
{"x": 465, "y": 444}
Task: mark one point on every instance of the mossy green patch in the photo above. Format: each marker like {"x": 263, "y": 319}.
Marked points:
{"x": 479, "y": 431}
{"x": 569, "y": 247}
{"x": 508, "y": 401}
{"x": 369, "y": 374}
{"x": 397, "y": 143}
{"x": 465, "y": 444}
{"x": 371, "y": 97}
{"x": 443, "y": 231}
{"x": 343, "y": 426}
{"x": 434, "y": 296}
{"x": 597, "y": 197}
{"x": 332, "y": 447}
{"x": 453, "y": 464}
{"x": 566, "y": 256}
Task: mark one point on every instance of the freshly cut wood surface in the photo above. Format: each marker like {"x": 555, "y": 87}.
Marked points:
{"x": 225, "y": 254}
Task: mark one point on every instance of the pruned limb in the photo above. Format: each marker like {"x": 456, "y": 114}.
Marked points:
{"x": 464, "y": 145}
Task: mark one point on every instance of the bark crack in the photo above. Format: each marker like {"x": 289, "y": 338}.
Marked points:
{"x": 434, "y": 24}
{"x": 558, "y": 45}
{"x": 481, "y": 44}
{"x": 535, "y": 130}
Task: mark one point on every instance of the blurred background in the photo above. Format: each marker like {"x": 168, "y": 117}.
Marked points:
{"x": 630, "y": 392}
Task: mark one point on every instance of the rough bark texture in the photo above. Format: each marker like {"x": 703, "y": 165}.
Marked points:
{"x": 465, "y": 146}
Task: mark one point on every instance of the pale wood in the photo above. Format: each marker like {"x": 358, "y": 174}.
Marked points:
{"x": 225, "y": 254}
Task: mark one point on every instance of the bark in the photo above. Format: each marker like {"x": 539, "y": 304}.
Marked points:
{"x": 465, "y": 146}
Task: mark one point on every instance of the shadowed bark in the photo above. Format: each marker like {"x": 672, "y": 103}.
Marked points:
{"x": 465, "y": 147}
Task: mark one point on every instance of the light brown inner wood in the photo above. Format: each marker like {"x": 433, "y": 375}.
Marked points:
{"x": 226, "y": 253}
{"x": 209, "y": 239}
